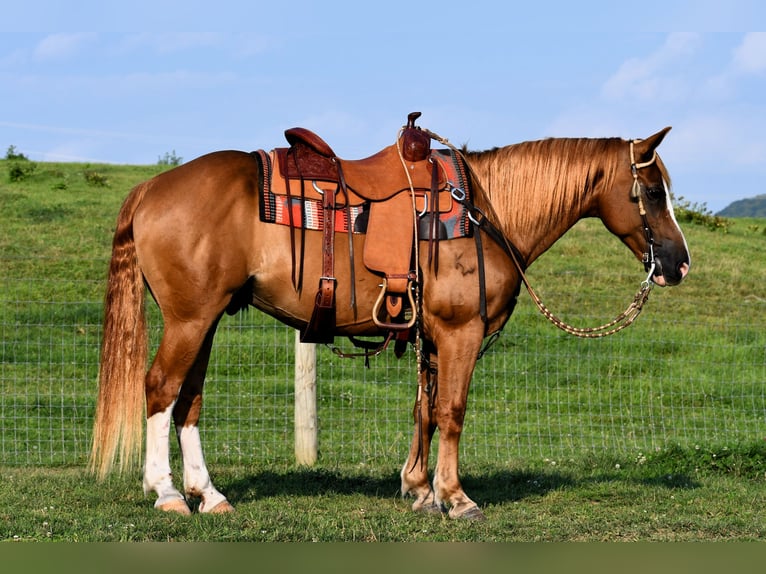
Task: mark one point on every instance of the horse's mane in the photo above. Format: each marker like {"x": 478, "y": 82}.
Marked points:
{"x": 533, "y": 184}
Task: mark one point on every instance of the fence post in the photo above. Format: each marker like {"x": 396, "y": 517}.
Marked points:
{"x": 306, "y": 431}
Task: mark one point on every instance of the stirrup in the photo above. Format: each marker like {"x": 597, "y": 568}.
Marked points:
{"x": 393, "y": 326}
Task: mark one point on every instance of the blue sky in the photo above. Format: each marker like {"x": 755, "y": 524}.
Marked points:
{"x": 482, "y": 73}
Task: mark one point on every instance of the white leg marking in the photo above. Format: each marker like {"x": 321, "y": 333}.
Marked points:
{"x": 405, "y": 485}
{"x": 157, "y": 475}
{"x": 437, "y": 488}
{"x": 196, "y": 477}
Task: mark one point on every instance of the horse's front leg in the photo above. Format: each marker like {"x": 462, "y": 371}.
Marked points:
{"x": 414, "y": 473}
{"x": 456, "y": 360}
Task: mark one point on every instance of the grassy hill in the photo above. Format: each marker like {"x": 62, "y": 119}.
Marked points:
{"x": 750, "y": 207}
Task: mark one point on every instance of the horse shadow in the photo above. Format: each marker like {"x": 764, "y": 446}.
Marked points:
{"x": 497, "y": 486}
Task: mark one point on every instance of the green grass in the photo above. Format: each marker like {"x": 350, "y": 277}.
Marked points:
{"x": 676, "y": 401}
{"x": 675, "y": 495}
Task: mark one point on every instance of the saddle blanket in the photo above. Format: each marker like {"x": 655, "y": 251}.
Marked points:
{"x": 307, "y": 212}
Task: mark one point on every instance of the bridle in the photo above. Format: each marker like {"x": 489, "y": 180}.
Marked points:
{"x": 635, "y": 193}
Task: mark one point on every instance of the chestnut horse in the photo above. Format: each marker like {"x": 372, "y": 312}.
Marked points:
{"x": 193, "y": 237}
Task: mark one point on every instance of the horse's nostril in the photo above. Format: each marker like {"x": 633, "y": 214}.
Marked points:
{"x": 683, "y": 268}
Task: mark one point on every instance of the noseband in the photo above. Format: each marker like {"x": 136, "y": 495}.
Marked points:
{"x": 635, "y": 193}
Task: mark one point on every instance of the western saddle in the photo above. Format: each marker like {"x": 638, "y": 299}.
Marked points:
{"x": 379, "y": 181}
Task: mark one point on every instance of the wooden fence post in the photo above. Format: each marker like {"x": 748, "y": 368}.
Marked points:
{"x": 306, "y": 432}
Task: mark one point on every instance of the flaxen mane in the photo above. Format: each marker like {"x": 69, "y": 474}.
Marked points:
{"x": 548, "y": 176}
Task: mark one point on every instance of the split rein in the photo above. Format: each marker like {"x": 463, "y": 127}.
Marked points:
{"x": 621, "y": 321}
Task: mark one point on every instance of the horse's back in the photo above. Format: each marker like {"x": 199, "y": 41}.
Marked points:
{"x": 207, "y": 193}
{"x": 215, "y": 174}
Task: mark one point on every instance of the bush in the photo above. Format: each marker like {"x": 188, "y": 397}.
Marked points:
{"x": 699, "y": 214}
{"x": 19, "y": 166}
{"x": 12, "y": 154}
{"x": 20, "y": 170}
{"x": 95, "y": 179}
{"x": 170, "y": 159}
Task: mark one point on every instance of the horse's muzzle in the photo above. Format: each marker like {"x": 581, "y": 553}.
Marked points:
{"x": 663, "y": 280}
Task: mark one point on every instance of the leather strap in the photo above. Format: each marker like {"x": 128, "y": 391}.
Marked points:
{"x": 482, "y": 278}
{"x": 433, "y": 232}
{"x": 326, "y": 295}
{"x": 297, "y": 265}
{"x": 321, "y": 326}
{"x": 347, "y": 200}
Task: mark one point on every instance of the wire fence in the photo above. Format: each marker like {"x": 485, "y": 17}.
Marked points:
{"x": 695, "y": 380}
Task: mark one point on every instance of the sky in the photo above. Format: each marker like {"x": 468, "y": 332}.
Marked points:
{"x": 483, "y": 74}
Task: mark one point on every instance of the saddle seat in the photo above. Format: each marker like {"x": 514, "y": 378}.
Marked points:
{"x": 375, "y": 178}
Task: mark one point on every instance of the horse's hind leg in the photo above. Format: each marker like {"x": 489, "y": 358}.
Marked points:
{"x": 182, "y": 344}
{"x": 186, "y": 413}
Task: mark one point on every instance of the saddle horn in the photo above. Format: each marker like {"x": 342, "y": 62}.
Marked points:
{"x": 416, "y": 144}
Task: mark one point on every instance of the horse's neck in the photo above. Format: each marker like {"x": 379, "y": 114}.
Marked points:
{"x": 535, "y": 237}
{"x": 539, "y": 190}
{"x": 532, "y": 216}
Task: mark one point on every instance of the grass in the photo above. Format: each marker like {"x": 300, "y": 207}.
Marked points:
{"x": 655, "y": 434}
{"x": 676, "y": 495}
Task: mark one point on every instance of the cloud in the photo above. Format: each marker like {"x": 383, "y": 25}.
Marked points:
{"x": 652, "y": 77}
{"x": 249, "y": 45}
{"x": 750, "y": 55}
{"x": 14, "y": 59}
{"x": 723, "y": 142}
{"x": 70, "y": 132}
{"x": 747, "y": 62}
{"x": 237, "y": 45}
{"x": 61, "y": 46}
{"x": 172, "y": 42}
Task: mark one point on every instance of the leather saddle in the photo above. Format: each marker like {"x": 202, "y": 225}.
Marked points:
{"x": 310, "y": 169}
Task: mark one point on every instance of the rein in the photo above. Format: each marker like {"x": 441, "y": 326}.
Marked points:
{"x": 621, "y": 321}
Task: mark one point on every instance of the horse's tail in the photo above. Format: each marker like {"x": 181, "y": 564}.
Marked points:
{"x": 118, "y": 425}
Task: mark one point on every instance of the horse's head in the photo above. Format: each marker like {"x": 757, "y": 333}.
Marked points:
{"x": 638, "y": 210}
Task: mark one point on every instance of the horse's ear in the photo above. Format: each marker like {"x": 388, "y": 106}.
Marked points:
{"x": 645, "y": 148}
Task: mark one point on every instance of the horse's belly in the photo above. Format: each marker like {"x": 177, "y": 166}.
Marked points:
{"x": 276, "y": 291}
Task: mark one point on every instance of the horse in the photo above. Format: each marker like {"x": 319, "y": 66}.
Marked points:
{"x": 191, "y": 237}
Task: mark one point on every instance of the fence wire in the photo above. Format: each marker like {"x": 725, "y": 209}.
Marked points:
{"x": 689, "y": 379}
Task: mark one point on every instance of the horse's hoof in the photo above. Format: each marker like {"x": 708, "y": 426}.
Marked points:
{"x": 222, "y": 507}
{"x": 429, "y": 508}
{"x": 176, "y": 505}
{"x": 472, "y": 513}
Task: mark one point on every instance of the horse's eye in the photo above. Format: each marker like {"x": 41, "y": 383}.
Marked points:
{"x": 655, "y": 192}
